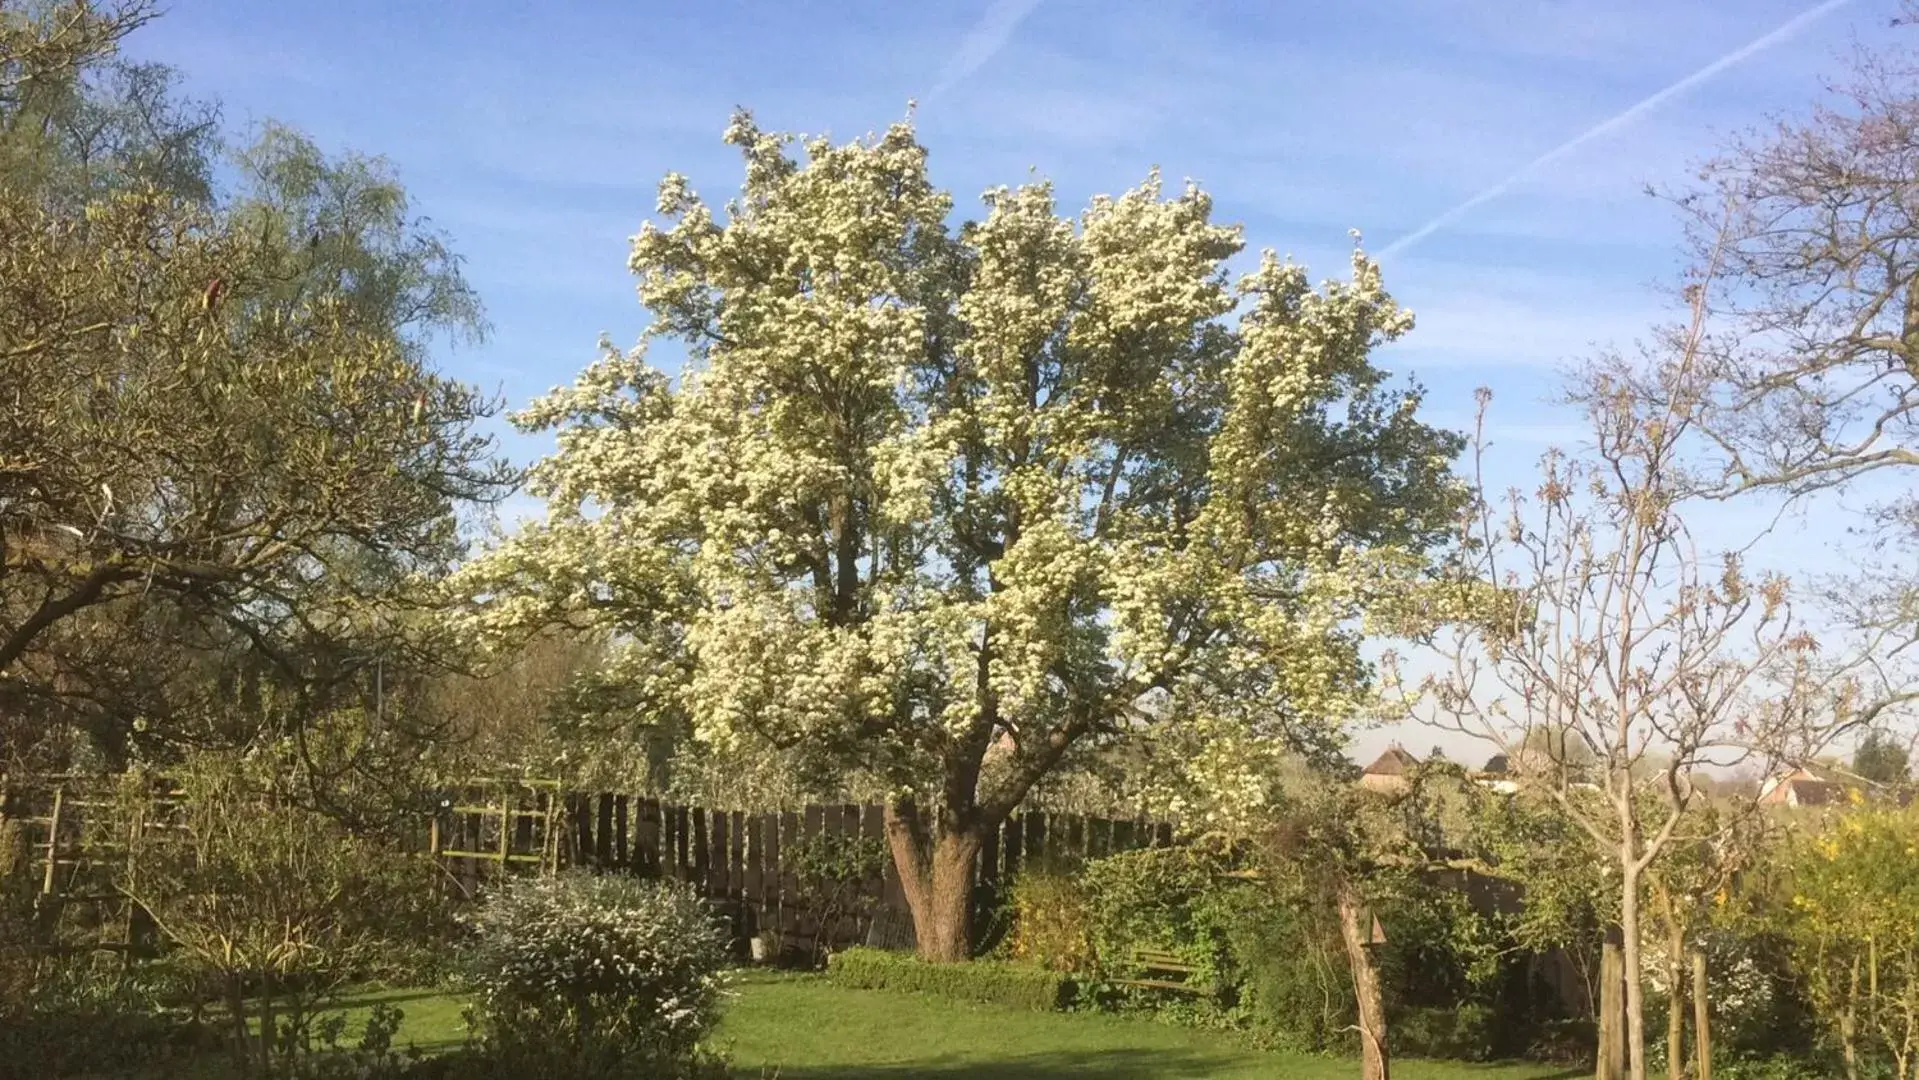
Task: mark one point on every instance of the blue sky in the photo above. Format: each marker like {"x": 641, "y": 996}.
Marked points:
{"x": 535, "y": 134}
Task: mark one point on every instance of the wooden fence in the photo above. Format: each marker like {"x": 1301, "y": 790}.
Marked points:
{"x": 734, "y": 857}
{"x": 485, "y": 828}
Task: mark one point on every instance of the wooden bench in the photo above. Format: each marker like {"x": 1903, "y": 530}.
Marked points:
{"x": 1165, "y": 971}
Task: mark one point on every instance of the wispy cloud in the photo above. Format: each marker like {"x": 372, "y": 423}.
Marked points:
{"x": 1782, "y": 33}
{"x": 982, "y": 42}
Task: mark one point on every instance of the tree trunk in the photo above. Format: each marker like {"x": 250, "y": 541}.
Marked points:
{"x": 1701, "y": 1018}
{"x": 269, "y": 1028}
{"x": 936, "y": 866}
{"x": 1675, "y": 996}
{"x": 1374, "y": 1062}
{"x": 237, "y": 1012}
{"x": 1610, "y": 1059}
{"x": 1635, "y": 992}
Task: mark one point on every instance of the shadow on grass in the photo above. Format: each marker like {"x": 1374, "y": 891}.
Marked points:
{"x": 361, "y": 999}
{"x": 1121, "y": 1064}
{"x": 448, "y": 1045}
{"x": 1496, "y": 1068}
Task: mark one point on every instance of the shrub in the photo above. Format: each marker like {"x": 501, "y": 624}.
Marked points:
{"x": 1051, "y": 921}
{"x": 1440, "y": 951}
{"x": 563, "y": 1063}
{"x": 270, "y": 905}
{"x": 61, "y": 1012}
{"x": 1562, "y": 1042}
{"x": 61, "y": 1036}
{"x": 1268, "y": 947}
{"x": 624, "y": 973}
{"x": 1017, "y": 985}
{"x": 1294, "y": 988}
{"x": 1173, "y": 899}
{"x": 834, "y": 874}
{"x": 1776, "y": 1067}
{"x": 1258, "y": 964}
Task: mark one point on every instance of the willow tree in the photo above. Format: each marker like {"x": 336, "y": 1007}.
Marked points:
{"x": 925, "y": 497}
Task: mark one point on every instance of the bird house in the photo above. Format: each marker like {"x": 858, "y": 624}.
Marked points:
{"x": 1376, "y": 933}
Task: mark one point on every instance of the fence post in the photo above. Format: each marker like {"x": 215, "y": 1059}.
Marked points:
{"x": 506, "y": 828}
{"x": 550, "y": 847}
{"x": 1611, "y": 1063}
{"x": 135, "y": 834}
{"x": 53, "y": 839}
{"x": 1702, "y": 1017}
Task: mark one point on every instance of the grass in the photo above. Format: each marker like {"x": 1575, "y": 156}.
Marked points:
{"x": 808, "y": 1029}
{"x": 804, "y": 1028}
{"x": 430, "y": 1019}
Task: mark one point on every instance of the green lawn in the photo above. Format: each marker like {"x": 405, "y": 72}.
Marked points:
{"x": 429, "y": 1019}
{"x": 808, "y": 1029}
{"x": 804, "y": 1028}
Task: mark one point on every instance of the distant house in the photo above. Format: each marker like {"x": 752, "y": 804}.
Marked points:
{"x": 1803, "y": 791}
{"x": 1506, "y": 773}
{"x": 1388, "y": 773}
{"x": 1498, "y": 775}
{"x": 1814, "y": 785}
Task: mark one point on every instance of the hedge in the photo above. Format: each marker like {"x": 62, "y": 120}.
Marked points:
{"x": 977, "y": 980}
{"x": 1457, "y": 1032}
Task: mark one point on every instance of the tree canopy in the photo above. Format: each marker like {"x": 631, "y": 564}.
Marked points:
{"x": 1882, "y": 758}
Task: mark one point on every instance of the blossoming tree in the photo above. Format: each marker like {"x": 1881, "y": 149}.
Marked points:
{"x": 920, "y": 492}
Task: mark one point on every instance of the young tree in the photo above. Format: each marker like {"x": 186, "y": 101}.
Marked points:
{"x": 1720, "y": 840}
{"x": 920, "y": 491}
{"x": 1617, "y": 635}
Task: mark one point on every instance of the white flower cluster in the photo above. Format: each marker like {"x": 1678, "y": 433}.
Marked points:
{"x": 923, "y": 490}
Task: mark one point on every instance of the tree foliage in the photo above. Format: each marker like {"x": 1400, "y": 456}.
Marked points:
{"x": 273, "y": 905}
{"x": 226, "y": 444}
{"x": 1881, "y": 758}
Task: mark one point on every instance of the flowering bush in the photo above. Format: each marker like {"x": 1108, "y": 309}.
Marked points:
{"x": 615, "y": 970}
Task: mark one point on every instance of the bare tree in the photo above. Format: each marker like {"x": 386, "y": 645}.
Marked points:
{"x": 1617, "y": 658}
{"x": 1804, "y": 239}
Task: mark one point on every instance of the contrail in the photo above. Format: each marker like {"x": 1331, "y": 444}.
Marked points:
{"x": 982, "y": 42}
{"x": 1607, "y": 127}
